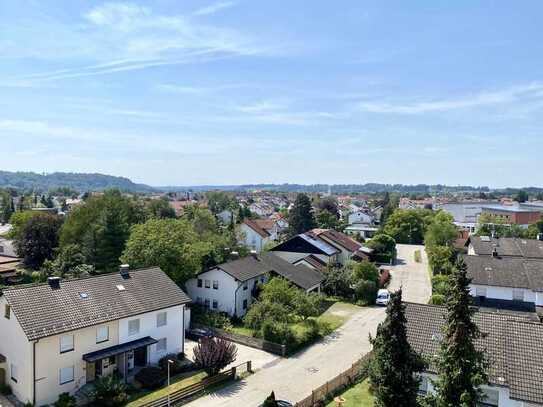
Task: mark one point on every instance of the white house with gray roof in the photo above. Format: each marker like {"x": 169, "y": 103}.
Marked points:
{"x": 58, "y": 336}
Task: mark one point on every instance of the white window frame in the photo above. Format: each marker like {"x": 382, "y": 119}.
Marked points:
{"x": 100, "y": 334}
{"x": 215, "y": 284}
{"x": 161, "y": 319}
{"x": 13, "y": 373}
{"x": 162, "y": 345}
{"x": 207, "y": 283}
{"x": 66, "y": 379}
{"x": 132, "y": 332}
{"x": 66, "y": 343}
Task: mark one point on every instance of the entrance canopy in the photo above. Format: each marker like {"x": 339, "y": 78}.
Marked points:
{"x": 118, "y": 349}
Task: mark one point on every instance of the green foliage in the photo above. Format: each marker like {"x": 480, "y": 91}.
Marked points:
{"x": 159, "y": 209}
{"x": 18, "y": 221}
{"x": 6, "y": 206}
{"x": 338, "y": 282}
{"x": 365, "y": 277}
{"x": 301, "y": 217}
{"x": 262, "y": 311}
{"x": 441, "y": 284}
{"x": 441, "y": 231}
{"x": 389, "y": 204}
{"x": 278, "y": 332}
{"x": 65, "y": 400}
{"x": 218, "y": 201}
{"x": 38, "y": 239}
{"x": 384, "y": 247}
{"x": 179, "y": 364}
{"x": 392, "y": 370}
{"x": 534, "y": 230}
{"x": 408, "y": 225}
{"x": 437, "y": 299}
{"x": 171, "y": 244}
{"x": 270, "y": 401}
{"x": 68, "y": 262}
{"x": 461, "y": 368}
{"x": 151, "y": 377}
{"x": 327, "y": 220}
{"x": 440, "y": 259}
{"x": 521, "y": 196}
{"x": 101, "y": 228}
{"x": 203, "y": 316}
{"x": 328, "y": 204}
{"x": 109, "y": 391}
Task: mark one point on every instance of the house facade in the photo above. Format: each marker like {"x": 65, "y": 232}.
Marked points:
{"x": 58, "y": 336}
{"x": 256, "y": 234}
{"x": 511, "y": 344}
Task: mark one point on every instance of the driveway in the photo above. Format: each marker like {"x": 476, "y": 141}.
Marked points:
{"x": 294, "y": 378}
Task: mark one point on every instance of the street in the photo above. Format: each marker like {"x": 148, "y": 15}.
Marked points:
{"x": 294, "y": 378}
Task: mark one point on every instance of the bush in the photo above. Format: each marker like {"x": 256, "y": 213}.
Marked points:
{"x": 179, "y": 365}
{"x": 338, "y": 282}
{"x": 5, "y": 389}
{"x": 151, "y": 377}
{"x": 440, "y": 284}
{"x": 437, "y": 299}
{"x": 210, "y": 318}
{"x": 109, "y": 391}
{"x": 65, "y": 400}
{"x": 214, "y": 354}
{"x": 278, "y": 333}
{"x": 366, "y": 291}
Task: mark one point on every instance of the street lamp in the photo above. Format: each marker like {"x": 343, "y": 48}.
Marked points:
{"x": 170, "y": 362}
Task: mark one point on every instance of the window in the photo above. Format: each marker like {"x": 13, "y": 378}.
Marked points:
{"x": 200, "y": 282}
{"x": 161, "y": 319}
{"x": 102, "y": 334}
{"x": 215, "y": 304}
{"x": 518, "y": 295}
{"x": 244, "y": 304}
{"x": 162, "y": 345}
{"x": 215, "y": 284}
{"x": 7, "y": 312}
{"x": 66, "y": 343}
{"x": 207, "y": 284}
{"x": 206, "y": 304}
{"x": 133, "y": 327}
{"x": 66, "y": 375}
{"x": 13, "y": 370}
{"x": 245, "y": 286}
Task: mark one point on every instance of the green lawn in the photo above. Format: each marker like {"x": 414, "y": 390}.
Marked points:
{"x": 176, "y": 384}
{"x": 357, "y": 396}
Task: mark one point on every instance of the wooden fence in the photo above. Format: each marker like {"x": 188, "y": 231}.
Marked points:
{"x": 331, "y": 387}
{"x": 181, "y": 396}
{"x": 250, "y": 341}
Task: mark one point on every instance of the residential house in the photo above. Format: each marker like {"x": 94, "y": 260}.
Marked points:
{"x": 256, "y": 233}
{"x": 226, "y": 216}
{"x": 58, "y": 336}
{"x": 512, "y": 344}
{"x": 328, "y": 245}
{"x": 505, "y": 247}
{"x": 360, "y": 216}
{"x": 506, "y": 282}
{"x": 231, "y": 287}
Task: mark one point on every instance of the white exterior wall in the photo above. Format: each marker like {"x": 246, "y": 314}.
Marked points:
{"x": 360, "y": 217}
{"x": 247, "y": 294}
{"x": 253, "y": 240}
{"x": 504, "y": 399}
{"x": 49, "y": 361}
{"x": 502, "y": 293}
{"x": 18, "y": 351}
{"x": 173, "y": 331}
{"x": 224, "y": 295}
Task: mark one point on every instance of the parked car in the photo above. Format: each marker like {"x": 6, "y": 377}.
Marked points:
{"x": 196, "y": 333}
{"x": 383, "y": 297}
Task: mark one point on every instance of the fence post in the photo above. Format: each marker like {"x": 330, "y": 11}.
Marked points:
{"x": 283, "y": 350}
{"x": 233, "y": 372}
{"x": 250, "y": 366}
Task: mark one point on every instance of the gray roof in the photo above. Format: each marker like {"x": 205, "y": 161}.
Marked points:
{"x": 43, "y": 311}
{"x": 512, "y": 345}
{"x": 508, "y": 246}
{"x": 245, "y": 269}
{"x": 301, "y": 275}
{"x": 511, "y": 272}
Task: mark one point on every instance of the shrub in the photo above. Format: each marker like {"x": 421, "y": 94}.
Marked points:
{"x": 214, "y": 354}
{"x": 262, "y": 311}
{"x": 278, "y": 333}
{"x": 366, "y": 291}
{"x": 270, "y": 401}
{"x": 151, "y": 377}
{"x": 338, "y": 282}
{"x": 437, "y": 299}
{"x": 65, "y": 400}
{"x": 210, "y": 318}
{"x": 440, "y": 284}
{"x": 5, "y": 389}
{"x": 179, "y": 365}
{"x": 109, "y": 391}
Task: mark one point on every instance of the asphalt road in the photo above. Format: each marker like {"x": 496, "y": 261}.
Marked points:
{"x": 294, "y": 378}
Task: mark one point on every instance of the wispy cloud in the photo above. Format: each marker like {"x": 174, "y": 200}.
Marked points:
{"x": 482, "y": 99}
{"x": 214, "y": 8}
{"x": 195, "y": 90}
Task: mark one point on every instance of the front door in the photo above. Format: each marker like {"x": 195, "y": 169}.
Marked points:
{"x": 140, "y": 356}
{"x": 91, "y": 372}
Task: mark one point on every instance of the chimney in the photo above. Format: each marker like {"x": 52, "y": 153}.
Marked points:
{"x": 234, "y": 255}
{"x": 254, "y": 254}
{"x": 54, "y": 282}
{"x": 124, "y": 270}
{"x": 495, "y": 252}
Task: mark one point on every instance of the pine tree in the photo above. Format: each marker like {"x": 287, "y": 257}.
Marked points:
{"x": 461, "y": 367}
{"x": 301, "y": 217}
{"x": 394, "y": 363}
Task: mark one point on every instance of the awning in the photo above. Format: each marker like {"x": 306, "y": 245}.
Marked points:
{"x": 118, "y": 349}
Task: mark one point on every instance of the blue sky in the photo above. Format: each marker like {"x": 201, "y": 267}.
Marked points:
{"x": 171, "y": 92}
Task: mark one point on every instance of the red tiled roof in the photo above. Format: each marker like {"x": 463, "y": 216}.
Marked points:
{"x": 257, "y": 227}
